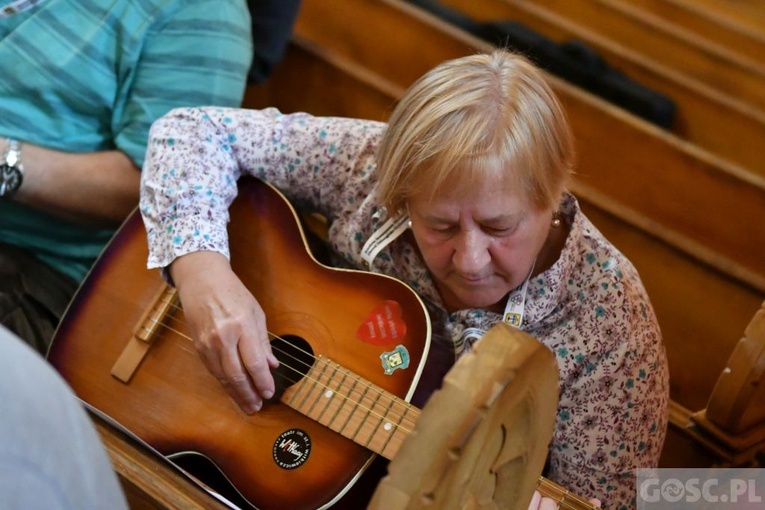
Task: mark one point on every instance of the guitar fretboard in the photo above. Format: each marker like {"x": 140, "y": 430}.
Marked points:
{"x": 353, "y": 407}
{"x": 370, "y": 416}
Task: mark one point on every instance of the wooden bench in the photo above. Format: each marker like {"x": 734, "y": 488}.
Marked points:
{"x": 716, "y": 121}
{"x": 723, "y": 30}
{"x": 717, "y": 66}
{"x": 623, "y": 162}
{"x": 731, "y": 428}
{"x": 747, "y": 14}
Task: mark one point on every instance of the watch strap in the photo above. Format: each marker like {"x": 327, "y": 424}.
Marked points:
{"x": 11, "y": 169}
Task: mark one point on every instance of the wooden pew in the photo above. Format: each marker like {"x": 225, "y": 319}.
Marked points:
{"x": 691, "y": 300}
{"x": 748, "y": 14}
{"x": 324, "y": 83}
{"x": 623, "y": 162}
{"x": 713, "y": 120}
{"x": 690, "y": 15}
{"x": 717, "y": 66}
{"x": 730, "y": 430}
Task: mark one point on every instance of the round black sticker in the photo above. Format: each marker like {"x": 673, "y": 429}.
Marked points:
{"x": 291, "y": 448}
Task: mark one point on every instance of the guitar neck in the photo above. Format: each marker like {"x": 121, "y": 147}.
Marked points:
{"x": 562, "y": 496}
{"x": 372, "y": 417}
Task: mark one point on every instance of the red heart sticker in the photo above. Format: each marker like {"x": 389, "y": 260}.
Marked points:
{"x": 383, "y": 326}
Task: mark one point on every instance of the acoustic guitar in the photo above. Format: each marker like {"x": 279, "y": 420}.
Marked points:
{"x": 352, "y": 347}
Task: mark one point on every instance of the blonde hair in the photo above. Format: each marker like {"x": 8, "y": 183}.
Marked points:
{"x": 486, "y": 115}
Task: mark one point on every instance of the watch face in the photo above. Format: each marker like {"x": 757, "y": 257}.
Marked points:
{"x": 10, "y": 179}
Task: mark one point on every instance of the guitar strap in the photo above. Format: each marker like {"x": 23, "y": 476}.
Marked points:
{"x": 382, "y": 237}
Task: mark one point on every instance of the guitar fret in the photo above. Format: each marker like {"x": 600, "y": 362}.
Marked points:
{"x": 357, "y": 406}
{"x": 331, "y": 398}
{"x": 365, "y": 418}
{"x": 378, "y": 429}
{"x": 320, "y": 387}
{"x": 562, "y": 496}
{"x": 342, "y": 403}
{"x": 395, "y": 429}
{"x": 400, "y": 431}
{"x": 372, "y": 434}
{"x": 304, "y": 386}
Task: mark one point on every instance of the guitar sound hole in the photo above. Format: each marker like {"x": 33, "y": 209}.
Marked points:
{"x": 295, "y": 360}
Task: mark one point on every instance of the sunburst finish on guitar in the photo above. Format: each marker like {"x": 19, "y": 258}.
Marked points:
{"x": 123, "y": 320}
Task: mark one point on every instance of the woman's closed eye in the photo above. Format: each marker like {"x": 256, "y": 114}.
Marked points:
{"x": 491, "y": 230}
{"x": 444, "y": 230}
{"x": 500, "y": 230}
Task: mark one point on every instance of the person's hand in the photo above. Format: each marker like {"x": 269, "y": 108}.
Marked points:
{"x": 228, "y": 327}
{"x": 540, "y": 503}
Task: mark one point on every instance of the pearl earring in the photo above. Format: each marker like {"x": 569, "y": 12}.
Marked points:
{"x": 555, "y": 223}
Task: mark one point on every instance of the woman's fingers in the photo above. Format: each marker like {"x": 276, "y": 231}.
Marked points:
{"x": 228, "y": 326}
{"x": 256, "y": 355}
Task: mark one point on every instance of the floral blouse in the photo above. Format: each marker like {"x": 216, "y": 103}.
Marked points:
{"x": 590, "y": 308}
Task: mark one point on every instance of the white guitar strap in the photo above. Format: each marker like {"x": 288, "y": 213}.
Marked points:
{"x": 383, "y": 236}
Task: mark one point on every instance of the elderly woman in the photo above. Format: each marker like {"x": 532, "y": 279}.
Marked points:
{"x": 463, "y": 196}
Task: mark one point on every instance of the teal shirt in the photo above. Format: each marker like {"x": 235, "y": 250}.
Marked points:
{"x": 91, "y": 75}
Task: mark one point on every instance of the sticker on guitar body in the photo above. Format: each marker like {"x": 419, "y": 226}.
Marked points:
{"x": 395, "y": 359}
{"x": 291, "y": 449}
{"x": 383, "y": 326}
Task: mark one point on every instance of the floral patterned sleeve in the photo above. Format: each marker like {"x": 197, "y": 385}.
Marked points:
{"x": 612, "y": 414}
{"x": 592, "y": 311}
{"x": 196, "y": 155}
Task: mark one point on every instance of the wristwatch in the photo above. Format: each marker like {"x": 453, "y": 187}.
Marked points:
{"x": 11, "y": 170}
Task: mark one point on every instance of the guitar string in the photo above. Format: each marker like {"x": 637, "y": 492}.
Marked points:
{"x": 562, "y": 495}
{"x": 550, "y": 489}
{"x": 389, "y": 417}
{"x": 368, "y": 385}
{"x": 376, "y": 391}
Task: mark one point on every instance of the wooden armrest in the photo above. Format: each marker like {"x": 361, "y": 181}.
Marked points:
{"x": 752, "y": 438}
{"x": 737, "y": 403}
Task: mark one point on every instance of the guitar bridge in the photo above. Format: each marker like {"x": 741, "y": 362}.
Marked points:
{"x": 144, "y": 333}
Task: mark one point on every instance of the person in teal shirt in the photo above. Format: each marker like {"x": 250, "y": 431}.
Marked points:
{"x": 82, "y": 82}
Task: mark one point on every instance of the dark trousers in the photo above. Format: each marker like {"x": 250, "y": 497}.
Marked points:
{"x": 33, "y": 296}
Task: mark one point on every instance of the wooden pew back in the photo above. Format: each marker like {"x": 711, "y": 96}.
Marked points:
{"x": 746, "y": 14}
{"x": 624, "y": 163}
{"x": 731, "y": 429}
{"x": 724, "y": 31}
{"x": 717, "y": 66}
{"x": 737, "y": 403}
{"x": 714, "y": 120}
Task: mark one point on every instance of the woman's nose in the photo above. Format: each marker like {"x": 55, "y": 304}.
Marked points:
{"x": 471, "y": 252}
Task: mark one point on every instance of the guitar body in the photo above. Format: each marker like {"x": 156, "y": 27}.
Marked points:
{"x": 176, "y": 406}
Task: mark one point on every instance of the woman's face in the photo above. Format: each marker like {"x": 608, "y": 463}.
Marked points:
{"x": 478, "y": 244}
